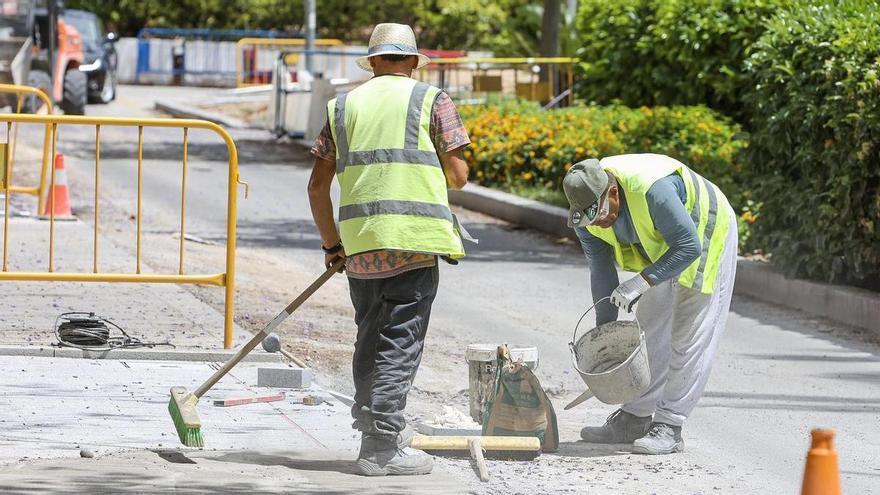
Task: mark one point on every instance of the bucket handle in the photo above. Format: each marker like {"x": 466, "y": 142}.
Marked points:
{"x": 571, "y": 345}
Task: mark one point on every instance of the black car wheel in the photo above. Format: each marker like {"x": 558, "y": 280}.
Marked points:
{"x": 75, "y": 92}
{"x": 41, "y": 80}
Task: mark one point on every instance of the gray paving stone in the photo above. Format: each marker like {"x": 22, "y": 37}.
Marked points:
{"x": 284, "y": 377}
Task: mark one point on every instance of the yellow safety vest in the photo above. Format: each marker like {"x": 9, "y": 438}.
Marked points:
{"x": 392, "y": 186}
{"x": 708, "y": 206}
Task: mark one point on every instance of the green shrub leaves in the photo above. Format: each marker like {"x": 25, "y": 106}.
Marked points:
{"x": 815, "y": 153}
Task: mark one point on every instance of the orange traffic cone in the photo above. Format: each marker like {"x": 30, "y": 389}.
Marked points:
{"x": 58, "y": 198}
{"x": 821, "y": 476}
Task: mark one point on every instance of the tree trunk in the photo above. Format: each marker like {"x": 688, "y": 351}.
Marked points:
{"x": 550, "y": 35}
{"x": 550, "y": 28}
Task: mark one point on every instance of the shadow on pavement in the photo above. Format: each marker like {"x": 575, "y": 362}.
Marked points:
{"x": 299, "y": 462}
{"x": 250, "y": 151}
{"x": 499, "y": 242}
{"x": 788, "y": 402}
{"x": 587, "y": 450}
{"x": 274, "y": 233}
{"x": 814, "y": 357}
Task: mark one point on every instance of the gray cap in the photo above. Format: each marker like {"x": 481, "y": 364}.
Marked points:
{"x": 584, "y": 184}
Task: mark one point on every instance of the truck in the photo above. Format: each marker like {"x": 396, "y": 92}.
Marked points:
{"x": 38, "y": 49}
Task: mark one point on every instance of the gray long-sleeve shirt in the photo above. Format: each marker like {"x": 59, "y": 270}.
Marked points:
{"x": 666, "y": 205}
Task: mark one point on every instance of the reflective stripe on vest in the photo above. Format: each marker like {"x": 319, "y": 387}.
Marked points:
{"x": 708, "y": 207}
{"x": 392, "y": 187}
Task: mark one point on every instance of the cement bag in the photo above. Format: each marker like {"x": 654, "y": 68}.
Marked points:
{"x": 519, "y": 406}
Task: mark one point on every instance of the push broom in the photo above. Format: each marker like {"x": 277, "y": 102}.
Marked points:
{"x": 183, "y": 403}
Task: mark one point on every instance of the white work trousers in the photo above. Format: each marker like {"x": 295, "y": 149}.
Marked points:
{"x": 683, "y": 328}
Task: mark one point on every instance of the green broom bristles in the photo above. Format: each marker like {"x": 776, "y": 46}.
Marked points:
{"x": 183, "y": 412}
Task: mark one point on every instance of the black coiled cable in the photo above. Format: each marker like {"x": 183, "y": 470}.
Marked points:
{"x": 87, "y": 331}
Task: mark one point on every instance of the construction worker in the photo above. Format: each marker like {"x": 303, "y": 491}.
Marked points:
{"x": 653, "y": 215}
{"x": 395, "y": 146}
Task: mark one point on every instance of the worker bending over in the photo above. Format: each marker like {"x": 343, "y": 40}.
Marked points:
{"x": 653, "y": 215}
{"x": 395, "y": 145}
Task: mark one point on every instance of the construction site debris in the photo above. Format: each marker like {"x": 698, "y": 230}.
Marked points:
{"x": 249, "y": 400}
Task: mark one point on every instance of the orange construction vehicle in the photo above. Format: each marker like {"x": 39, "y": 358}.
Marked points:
{"x": 38, "y": 49}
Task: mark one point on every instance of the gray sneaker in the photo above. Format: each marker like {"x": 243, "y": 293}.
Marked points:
{"x": 380, "y": 456}
{"x": 620, "y": 427}
{"x": 660, "y": 439}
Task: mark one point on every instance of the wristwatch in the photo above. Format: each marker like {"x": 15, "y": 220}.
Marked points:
{"x": 333, "y": 249}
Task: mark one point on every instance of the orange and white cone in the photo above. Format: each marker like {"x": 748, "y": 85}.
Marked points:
{"x": 821, "y": 476}
{"x": 58, "y": 198}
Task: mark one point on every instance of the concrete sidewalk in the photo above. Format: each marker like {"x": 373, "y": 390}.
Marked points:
{"x": 51, "y": 408}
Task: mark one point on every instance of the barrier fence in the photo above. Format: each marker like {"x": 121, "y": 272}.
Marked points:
{"x": 19, "y": 94}
{"x": 532, "y": 78}
{"x": 255, "y": 57}
{"x": 224, "y": 279}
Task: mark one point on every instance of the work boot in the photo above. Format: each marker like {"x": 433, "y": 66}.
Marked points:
{"x": 620, "y": 427}
{"x": 381, "y": 456}
{"x": 660, "y": 439}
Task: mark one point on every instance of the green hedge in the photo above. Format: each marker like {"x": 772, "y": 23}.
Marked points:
{"x": 518, "y": 145}
{"x": 669, "y": 52}
{"x": 815, "y": 149}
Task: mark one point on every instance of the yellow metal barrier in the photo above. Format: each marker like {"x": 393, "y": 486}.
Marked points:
{"x": 473, "y": 73}
{"x": 225, "y": 279}
{"x": 247, "y": 74}
{"x": 39, "y": 191}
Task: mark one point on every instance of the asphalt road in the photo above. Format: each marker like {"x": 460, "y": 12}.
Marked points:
{"x": 778, "y": 373}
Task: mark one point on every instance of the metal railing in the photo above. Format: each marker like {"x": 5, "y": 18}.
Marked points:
{"x": 21, "y": 92}
{"x": 533, "y": 78}
{"x": 225, "y": 279}
{"x": 254, "y": 65}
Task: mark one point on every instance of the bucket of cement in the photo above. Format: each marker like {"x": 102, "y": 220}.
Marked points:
{"x": 612, "y": 360}
{"x": 482, "y": 366}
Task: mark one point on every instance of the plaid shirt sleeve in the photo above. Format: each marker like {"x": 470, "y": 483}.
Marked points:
{"x": 447, "y": 130}
{"x": 324, "y": 146}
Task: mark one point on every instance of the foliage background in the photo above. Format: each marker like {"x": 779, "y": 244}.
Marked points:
{"x": 669, "y": 52}
{"x": 815, "y": 107}
{"x": 517, "y": 144}
{"x": 507, "y": 27}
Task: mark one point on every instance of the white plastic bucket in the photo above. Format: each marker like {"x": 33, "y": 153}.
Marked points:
{"x": 482, "y": 366}
{"x": 612, "y": 359}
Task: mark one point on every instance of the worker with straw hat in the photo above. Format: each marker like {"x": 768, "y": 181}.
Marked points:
{"x": 395, "y": 145}
{"x": 653, "y": 215}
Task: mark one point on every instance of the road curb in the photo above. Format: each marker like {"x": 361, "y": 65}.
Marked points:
{"x": 181, "y": 111}
{"x": 848, "y": 305}
{"x": 136, "y": 354}
{"x": 551, "y": 220}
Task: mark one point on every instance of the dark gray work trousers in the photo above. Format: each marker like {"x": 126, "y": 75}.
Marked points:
{"x": 392, "y": 318}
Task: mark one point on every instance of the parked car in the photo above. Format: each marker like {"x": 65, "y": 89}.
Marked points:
{"x": 100, "y": 54}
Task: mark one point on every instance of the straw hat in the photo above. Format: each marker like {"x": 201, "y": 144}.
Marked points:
{"x": 392, "y": 39}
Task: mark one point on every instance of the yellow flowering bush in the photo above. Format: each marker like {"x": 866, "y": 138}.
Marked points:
{"x": 516, "y": 144}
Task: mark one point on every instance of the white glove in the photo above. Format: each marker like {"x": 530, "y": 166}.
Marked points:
{"x": 627, "y": 293}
